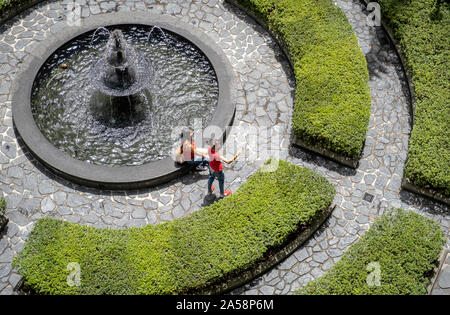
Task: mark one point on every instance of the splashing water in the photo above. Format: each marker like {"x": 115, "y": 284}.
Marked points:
{"x": 100, "y": 29}
{"x": 162, "y": 32}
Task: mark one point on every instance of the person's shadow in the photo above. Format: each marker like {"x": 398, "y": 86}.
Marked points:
{"x": 209, "y": 200}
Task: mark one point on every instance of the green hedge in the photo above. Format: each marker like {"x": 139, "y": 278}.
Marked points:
{"x": 332, "y": 106}
{"x": 406, "y": 246}
{"x": 6, "y": 5}
{"x": 2, "y": 207}
{"x": 184, "y": 255}
{"x": 422, "y": 29}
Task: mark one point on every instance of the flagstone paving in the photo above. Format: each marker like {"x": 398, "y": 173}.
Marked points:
{"x": 264, "y": 106}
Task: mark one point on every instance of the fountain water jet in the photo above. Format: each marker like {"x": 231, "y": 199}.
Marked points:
{"x": 122, "y": 71}
{"x": 97, "y": 30}
{"x": 160, "y": 29}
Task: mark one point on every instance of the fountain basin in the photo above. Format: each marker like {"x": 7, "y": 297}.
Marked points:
{"x": 101, "y": 176}
{"x": 123, "y": 113}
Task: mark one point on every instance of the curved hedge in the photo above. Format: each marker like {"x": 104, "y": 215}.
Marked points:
{"x": 182, "y": 256}
{"x": 404, "y": 244}
{"x": 422, "y": 29}
{"x": 332, "y": 105}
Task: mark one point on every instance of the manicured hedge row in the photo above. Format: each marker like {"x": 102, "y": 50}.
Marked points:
{"x": 404, "y": 244}
{"x": 422, "y": 29}
{"x": 332, "y": 106}
{"x": 182, "y": 256}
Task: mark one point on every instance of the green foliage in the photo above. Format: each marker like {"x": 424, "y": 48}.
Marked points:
{"x": 184, "y": 255}
{"x": 7, "y": 4}
{"x": 2, "y": 206}
{"x": 422, "y": 28}
{"x": 404, "y": 244}
{"x": 332, "y": 106}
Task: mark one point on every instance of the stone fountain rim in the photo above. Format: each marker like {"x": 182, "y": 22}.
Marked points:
{"x": 105, "y": 177}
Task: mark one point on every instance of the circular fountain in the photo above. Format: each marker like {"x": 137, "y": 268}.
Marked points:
{"x": 102, "y": 108}
{"x": 122, "y": 93}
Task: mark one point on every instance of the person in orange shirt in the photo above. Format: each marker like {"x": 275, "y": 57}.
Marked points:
{"x": 192, "y": 156}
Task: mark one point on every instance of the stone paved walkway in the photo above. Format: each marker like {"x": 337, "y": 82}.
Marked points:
{"x": 264, "y": 101}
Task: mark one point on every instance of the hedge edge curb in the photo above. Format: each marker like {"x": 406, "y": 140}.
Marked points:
{"x": 438, "y": 268}
{"x": 353, "y": 163}
{"x": 430, "y": 193}
{"x": 272, "y": 261}
{"x": 406, "y": 184}
{"x": 426, "y": 192}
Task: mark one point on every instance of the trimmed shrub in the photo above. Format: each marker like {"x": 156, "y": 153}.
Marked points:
{"x": 422, "y": 29}
{"x": 182, "y": 256}
{"x": 332, "y": 105}
{"x": 404, "y": 244}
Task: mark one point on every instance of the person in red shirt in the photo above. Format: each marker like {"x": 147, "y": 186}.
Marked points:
{"x": 216, "y": 167}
